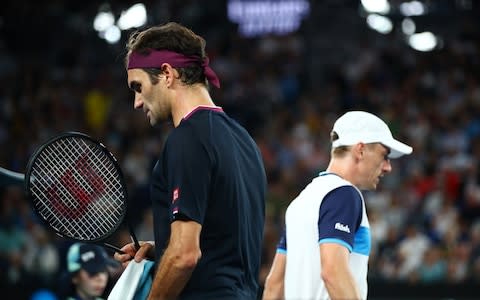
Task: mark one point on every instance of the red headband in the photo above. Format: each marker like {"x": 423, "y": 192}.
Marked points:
{"x": 155, "y": 59}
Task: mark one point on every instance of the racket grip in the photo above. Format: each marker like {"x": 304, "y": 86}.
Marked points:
{"x": 114, "y": 248}
{"x": 133, "y": 237}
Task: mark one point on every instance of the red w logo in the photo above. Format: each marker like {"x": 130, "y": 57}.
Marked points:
{"x": 83, "y": 189}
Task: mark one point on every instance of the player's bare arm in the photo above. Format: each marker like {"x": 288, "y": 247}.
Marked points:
{"x": 178, "y": 261}
{"x": 274, "y": 281}
{"x": 336, "y": 274}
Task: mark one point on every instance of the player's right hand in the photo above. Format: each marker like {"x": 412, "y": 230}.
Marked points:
{"x": 146, "y": 251}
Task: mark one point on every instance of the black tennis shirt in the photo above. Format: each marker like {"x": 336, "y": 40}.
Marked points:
{"x": 211, "y": 172}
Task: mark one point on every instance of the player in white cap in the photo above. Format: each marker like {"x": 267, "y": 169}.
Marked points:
{"x": 324, "y": 252}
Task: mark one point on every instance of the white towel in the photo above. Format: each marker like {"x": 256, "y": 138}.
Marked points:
{"x": 127, "y": 284}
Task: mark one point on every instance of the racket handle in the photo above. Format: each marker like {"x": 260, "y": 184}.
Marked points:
{"x": 133, "y": 237}
{"x": 114, "y": 248}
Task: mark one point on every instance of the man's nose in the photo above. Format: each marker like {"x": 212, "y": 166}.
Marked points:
{"x": 387, "y": 167}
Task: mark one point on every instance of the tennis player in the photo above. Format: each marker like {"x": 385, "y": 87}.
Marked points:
{"x": 208, "y": 186}
{"x": 324, "y": 253}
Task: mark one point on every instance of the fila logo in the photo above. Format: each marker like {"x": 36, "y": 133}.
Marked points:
{"x": 341, "y": 227}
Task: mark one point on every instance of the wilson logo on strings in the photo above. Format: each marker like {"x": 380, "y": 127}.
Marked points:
{"x": 74, "y": 192}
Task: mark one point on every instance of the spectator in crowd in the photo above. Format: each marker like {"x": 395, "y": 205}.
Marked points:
{"x": 88, "y": 268}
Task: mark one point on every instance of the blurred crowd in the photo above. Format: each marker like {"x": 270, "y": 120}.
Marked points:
{"x": 424, "y": 218}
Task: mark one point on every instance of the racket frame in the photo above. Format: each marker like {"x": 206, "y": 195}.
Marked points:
{"x": 103, "y": 148}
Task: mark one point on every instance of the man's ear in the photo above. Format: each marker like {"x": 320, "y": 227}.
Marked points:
{"x": 358, "y": 150}
{"x": 169, "y": 72}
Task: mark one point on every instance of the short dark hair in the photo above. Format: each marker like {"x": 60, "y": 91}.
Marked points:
{"x": 173, "y": 37}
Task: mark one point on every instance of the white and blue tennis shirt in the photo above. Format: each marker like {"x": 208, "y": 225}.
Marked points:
{"x": 329, "y": 210}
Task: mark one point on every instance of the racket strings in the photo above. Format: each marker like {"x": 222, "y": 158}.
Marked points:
{"x": 78, "y": 189}
{"x": 82, "y": 193}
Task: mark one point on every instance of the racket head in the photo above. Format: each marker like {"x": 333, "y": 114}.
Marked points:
{"x": 76, "y": 187}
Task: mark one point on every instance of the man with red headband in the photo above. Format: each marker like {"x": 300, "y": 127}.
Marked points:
{"x": 208, "y": 186}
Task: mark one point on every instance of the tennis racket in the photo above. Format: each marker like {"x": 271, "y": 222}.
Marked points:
{"x": 77, "y": 188}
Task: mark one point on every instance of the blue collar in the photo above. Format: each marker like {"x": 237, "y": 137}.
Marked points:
{"x": 323, "y": 173}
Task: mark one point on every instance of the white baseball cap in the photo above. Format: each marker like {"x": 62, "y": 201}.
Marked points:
{"x": 362, "y": 127}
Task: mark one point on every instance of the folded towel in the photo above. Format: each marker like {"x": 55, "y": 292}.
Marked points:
{"x": 135, "y": 282}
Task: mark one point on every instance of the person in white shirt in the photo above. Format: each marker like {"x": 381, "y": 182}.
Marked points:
{"x": 324, "y": 251}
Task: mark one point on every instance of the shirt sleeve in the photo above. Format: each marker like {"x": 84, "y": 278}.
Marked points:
{"x": 189, "y": 175}
{"x": 340, "y": 216}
